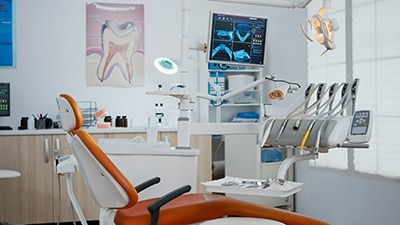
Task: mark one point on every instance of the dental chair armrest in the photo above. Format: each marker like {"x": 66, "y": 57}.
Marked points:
{"x": 147, "y": 184}
{"x": 154, "y": 208}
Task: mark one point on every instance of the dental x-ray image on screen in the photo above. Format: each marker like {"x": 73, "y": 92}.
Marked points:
{"x": 237, "y": 39}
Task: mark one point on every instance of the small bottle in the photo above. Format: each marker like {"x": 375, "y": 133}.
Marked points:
{"x": 118, "y": 121}
{"x": 124, "y": 121}
{"x": 108, "y": 119}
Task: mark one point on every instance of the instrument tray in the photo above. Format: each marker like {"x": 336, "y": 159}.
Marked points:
{"x": 234, "y": 185}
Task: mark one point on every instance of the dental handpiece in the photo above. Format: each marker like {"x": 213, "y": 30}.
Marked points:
{"x": 281, "y": 130}
{"x": 310, "y": 90}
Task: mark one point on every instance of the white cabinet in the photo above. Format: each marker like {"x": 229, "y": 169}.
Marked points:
{"x": 230, "y": 79}
{"x": 242, "y": 154}
{"x": 38, "y": 196}
{"x": 29, "y": 198}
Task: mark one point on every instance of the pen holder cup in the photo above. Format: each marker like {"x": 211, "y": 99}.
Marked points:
{"x": 40, "y": 123}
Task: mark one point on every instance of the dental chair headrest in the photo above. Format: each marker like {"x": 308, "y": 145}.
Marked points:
{"x": 71, "y": 117}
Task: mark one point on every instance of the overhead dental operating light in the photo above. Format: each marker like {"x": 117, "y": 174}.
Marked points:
{"x": 322, "y": 28}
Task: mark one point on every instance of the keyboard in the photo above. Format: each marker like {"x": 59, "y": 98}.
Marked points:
{"x": 5, "y": 128}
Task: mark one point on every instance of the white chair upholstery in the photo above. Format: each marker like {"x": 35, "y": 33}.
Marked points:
{"x": 241, "y": 221}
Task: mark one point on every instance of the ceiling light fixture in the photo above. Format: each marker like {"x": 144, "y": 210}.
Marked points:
{"x": 322, "y": 28}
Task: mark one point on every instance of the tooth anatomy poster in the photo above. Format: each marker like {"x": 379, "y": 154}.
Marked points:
{"x": 6, "y": 34}
{"x": 114, "y": 45}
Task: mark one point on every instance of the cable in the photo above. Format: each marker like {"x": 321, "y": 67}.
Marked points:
{"x": 323, "y": 106}
{"x": 264, "y": 133}
{"x": 219, "y": 146}
{"x": 306, "y": 111}
{"x": 217, "y": 105}
{"x": 344, "y": 101}
{"x": 283, "y": 81}
{"x": 177, "y": 86}
{"x": 331, "y": 115}
{"x": 306, "y": 100}
{"x": 59, "y": 200}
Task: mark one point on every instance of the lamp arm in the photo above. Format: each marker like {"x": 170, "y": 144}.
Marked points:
{"x": 243, "y": 89}
{"x": 206, "y": 96}
{"x": 304, "y": 4}
{"x": 247, "y": 87}
{"x": 303, "y": 29}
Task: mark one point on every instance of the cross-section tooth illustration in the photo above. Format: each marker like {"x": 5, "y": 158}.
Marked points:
{"x": 118, "y": 43}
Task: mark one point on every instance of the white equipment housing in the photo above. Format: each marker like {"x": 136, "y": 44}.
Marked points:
{"x": 335, "y": 131}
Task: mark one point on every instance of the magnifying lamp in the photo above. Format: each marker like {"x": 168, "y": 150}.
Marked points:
{"x": 166, "y": 65}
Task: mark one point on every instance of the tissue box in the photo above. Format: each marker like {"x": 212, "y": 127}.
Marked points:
{"x": 244, "y": 98}
{"x": 272, "y": 154}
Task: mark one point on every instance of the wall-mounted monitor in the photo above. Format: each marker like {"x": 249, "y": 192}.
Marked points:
{"x": 237, "y": 39}
{"x": 4, "y": 99}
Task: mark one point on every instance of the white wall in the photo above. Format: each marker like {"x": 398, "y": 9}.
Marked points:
{"x": 51, "y": 54}
{"x": 51, "y": 60}
{"x": 347, "y": 199}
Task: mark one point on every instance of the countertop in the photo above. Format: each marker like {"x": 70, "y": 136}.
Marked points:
{"x": 91, "y": 130}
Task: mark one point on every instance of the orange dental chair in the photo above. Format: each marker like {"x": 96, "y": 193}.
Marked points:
{"x": 118, "y": 198}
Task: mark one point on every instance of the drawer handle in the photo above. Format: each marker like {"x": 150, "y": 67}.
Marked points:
{"x": 46, "y": 150}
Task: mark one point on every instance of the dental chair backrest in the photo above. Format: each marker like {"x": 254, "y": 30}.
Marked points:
{"x": 109, "y": 188}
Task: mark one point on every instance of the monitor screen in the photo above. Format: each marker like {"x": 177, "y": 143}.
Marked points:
{"x": 237, "y": 39}
{"x": 4, "y": 99}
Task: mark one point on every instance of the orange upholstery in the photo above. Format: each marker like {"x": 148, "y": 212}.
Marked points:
{"x": 192, "y": 208}
{"x": 185, "y": 209}
{"x": 109, "y": 165}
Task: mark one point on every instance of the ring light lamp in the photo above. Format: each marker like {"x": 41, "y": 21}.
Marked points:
{"x": 166, "y": 65}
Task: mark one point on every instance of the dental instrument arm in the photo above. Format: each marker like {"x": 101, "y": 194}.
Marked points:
{"x": 286, "y": 163}
{"x": 324, "y": 105}
{"x": 334, "y": 127}
{"x": 305, "y": 102}
{"x": 344, "y": 102}
{"x": 320, "y": 94}
{"x": 266, "y": 126}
